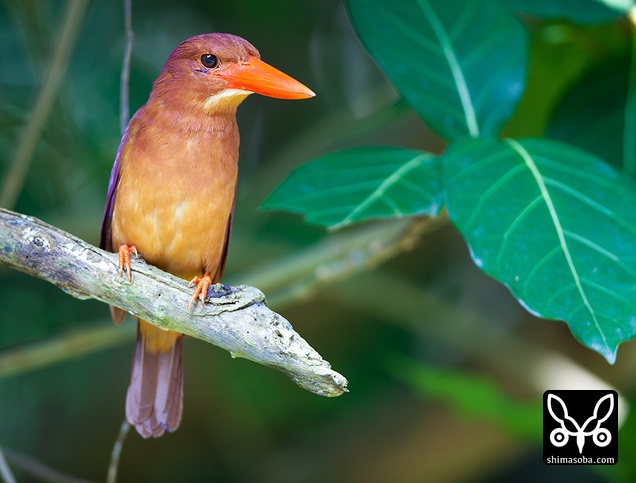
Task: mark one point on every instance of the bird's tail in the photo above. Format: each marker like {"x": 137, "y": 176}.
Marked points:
{"x": 154, "y": 401}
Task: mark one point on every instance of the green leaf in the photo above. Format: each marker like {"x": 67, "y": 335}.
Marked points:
{"x": 472, "y": 395}
{"x": 591, "y": 114}
{"x": 556, "y": 225}
{"x": 579, "y": 11}
{"x": 461, "y": 65}
{"x": 361, "y": 183}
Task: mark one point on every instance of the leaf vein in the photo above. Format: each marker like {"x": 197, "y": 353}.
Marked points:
{"x": 595, "y": 205}
{"x": 559, "y": 230}
{"x": 453, "y": 63}
{"x": 380, "y": 191}
{"x": 601, "y": 251}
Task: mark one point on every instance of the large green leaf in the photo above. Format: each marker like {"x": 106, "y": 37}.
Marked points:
{"x": 556, "y": 225}
{"x": 580, "y": 11}
{"x": 361, "y": 183}
{"x": 461, "y": 65}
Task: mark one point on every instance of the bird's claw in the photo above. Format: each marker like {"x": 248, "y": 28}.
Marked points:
{"x": 201, "y": 289}
{"x": 124, "y": 259}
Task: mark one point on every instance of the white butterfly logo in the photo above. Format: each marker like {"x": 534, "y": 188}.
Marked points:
{"x": 560, "y": 436}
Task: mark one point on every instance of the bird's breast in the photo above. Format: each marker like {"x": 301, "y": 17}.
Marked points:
{"x": 175, "y": 196}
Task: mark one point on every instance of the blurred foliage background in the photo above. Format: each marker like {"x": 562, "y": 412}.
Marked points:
{"x": 446, "y": 370}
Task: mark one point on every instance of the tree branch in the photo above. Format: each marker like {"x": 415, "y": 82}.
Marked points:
{"x": 238, "y": 321}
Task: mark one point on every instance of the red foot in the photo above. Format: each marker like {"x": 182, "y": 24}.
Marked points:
{"x": 201, "y": 290}
{"x": 124, "y": 259}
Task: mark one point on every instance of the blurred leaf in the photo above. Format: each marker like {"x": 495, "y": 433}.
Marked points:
{"x": 473, "y": 395}
{"x": 591, "y": 114}
{"x": 461, "y": 65}
{"x": 580, "y": 11}
{"x": 361, "y": 183}
{"x": 554, "y": 224}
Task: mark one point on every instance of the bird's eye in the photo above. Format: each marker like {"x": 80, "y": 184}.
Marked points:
{"x": 210, "y": 61}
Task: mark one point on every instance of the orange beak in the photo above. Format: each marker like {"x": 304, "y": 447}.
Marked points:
{"x": 261, "y": 78}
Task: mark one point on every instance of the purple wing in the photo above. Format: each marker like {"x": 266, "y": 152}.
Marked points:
{"x": 105, "y": 241}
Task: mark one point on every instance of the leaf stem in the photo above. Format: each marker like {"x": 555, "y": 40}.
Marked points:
{"x": 75, "y": 343}
{"x": 38, "y": 470}
{"x": 124, "y": 109}
{"x": 113, "y": 467}
{"x": 5, "y": 469}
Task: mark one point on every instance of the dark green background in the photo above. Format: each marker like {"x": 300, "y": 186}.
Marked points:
{"x": 442, "y": 361}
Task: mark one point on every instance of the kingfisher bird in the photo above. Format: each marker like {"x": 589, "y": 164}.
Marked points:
{"x": 171, "y": 196}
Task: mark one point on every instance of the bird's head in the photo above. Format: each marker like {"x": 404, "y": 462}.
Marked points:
{"x": 219, "y": 70}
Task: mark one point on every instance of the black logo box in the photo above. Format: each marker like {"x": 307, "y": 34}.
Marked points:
{"x": 580, "y": 427}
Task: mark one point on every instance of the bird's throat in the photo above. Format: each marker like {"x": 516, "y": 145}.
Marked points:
{"x": 227, "y": 99}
